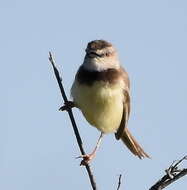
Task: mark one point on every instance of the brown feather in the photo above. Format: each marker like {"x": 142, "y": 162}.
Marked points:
{"x": 125, "y": 116}
{"x": 123, "y": 133}
{"x": 126, "y": 104}
{"x": 133, "y": 145}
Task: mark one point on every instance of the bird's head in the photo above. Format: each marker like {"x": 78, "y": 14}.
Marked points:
{"x": 100, "y": 55}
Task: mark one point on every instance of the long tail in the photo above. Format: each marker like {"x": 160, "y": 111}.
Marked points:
{"x": 132, "y": 144}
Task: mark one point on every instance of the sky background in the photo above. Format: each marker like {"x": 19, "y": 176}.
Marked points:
{"x": 37, "y": 144}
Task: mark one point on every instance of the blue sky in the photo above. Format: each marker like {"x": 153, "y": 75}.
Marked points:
{"x": 37, "y": 144}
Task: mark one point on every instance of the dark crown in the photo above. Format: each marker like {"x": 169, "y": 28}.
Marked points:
{"x": 98, "y": 44}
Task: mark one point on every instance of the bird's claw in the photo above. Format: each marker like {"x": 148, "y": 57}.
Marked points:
{"x": 67, "y": 105}
{"x": 86, "y": 158}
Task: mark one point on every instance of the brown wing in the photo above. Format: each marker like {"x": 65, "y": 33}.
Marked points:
{"x": 126, "y": 105}
{"x": 125, "y": 116}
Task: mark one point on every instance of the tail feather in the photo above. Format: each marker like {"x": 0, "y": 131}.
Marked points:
{"x": 133, "y": 145}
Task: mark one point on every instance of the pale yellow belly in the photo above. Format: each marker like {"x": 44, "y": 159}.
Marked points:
{"x": 101, "y": 104}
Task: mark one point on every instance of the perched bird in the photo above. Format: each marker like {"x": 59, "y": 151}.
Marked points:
{"x": 101, "y": 91}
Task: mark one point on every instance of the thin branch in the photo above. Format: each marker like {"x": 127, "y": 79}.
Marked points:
{"x": 172, "y": 174}
{"x": 75, "y": 129}
{"x": 119, "y": 182}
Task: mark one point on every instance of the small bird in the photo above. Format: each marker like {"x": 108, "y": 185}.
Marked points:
{"x": 101, "y": 91}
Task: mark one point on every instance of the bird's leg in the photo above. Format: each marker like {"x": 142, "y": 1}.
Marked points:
{"x": 67, "y": 105}
{"x": 88, "y": 157}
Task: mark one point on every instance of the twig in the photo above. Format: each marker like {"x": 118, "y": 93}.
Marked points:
{"x": 75, "y": 129}
{"x": 172, "y": 174}
{"x": 119, "y": 181}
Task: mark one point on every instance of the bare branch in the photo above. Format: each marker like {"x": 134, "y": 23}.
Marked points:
{"x": 119, "y": 182}
{"x": 75, "y": 129}
{"x": 172, "y": 174}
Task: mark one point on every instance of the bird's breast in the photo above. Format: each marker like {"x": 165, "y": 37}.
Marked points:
{"x": 101, "y": 103}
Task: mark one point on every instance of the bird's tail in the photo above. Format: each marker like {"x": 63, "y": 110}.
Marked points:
{"x": 132, "y": 144}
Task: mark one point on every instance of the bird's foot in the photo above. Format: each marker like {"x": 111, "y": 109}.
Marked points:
{"x": 86, "y": 158}
{"x": 67, "y": 105}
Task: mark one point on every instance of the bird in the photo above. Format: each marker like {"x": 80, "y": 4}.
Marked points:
{"x": 101, "y": 90}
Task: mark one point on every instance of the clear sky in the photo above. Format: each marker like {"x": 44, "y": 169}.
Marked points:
{"x": 37, "y": 144}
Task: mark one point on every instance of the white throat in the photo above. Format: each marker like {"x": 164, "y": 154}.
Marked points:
{"x": 101, "y": 64}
